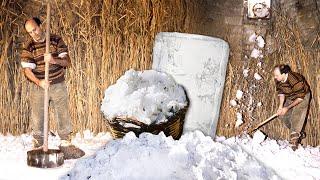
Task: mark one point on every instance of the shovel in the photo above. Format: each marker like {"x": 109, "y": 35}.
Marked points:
{"x": 263, "y": 123}
{"x": 44, "y": 157}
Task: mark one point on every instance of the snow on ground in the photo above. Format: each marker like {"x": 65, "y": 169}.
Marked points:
{"x": 149, "y": 96}
{"x": 194, "y": 156}
{"x": 304, "y": 163}
{"x": 13, "y": 155}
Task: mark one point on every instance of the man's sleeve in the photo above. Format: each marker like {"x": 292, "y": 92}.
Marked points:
{"x": 26, "y": 56}
{"x": 278, "y": 88}
{"x": 62, "y": 48}
{"x": 299, "y": 89}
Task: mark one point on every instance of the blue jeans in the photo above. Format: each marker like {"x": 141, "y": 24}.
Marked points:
{"x": 58, "y": 98}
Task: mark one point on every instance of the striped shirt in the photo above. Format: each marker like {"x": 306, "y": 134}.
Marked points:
{"x": 294, "y": 87}
{"x": 32, "y": 56}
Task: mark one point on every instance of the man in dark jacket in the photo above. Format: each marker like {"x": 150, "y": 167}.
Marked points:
{"x": 294, "y": 95}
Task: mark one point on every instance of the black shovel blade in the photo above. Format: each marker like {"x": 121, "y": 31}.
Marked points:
{"x": 41, "y": 159}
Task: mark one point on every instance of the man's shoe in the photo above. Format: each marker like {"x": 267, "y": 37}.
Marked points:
{"x": 70, "y": 151}
{"x": 295, "y": 139}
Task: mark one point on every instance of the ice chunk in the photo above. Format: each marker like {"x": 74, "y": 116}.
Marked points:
{"x": 253, "y": 37}
{"x": 257, "y": 76}
{"x": 260, "y": 41}
{"x": 256, "y": 53}
{"x": 239, "y": 120}
{"x": 239, "y": 94}
{"x": 245, "y": 72}
{"x": 233, "y": 102}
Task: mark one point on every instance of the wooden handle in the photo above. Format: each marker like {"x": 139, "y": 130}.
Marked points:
{"x": 264, "y": 122}
{"x": 46, "y": 77}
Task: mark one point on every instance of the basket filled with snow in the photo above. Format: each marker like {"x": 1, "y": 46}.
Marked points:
{"x": 145, "y": 101}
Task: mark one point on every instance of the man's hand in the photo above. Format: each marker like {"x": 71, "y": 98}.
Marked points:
{"x": 44, "y": 84}
{"x": 282, "y": 111}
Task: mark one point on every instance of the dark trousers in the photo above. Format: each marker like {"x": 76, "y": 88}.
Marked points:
{"x": 295, "y": 118}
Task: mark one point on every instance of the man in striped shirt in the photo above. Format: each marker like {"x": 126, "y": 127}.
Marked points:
{"x": 294, "y": 95}
{"x": 33, "y": 60}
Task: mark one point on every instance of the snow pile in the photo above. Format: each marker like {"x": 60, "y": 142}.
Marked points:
{"x": 148, "y": 96}
{"x": 194, "y": 156}
{"x": 302, "y": 164}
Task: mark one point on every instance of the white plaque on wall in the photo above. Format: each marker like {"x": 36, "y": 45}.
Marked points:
{"x": 198, "y": 63}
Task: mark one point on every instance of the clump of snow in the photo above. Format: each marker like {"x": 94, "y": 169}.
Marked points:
{"x": 257, "y": 76}
{"x": 253, "y": 37}
{"x": 233, "y": 102}
{"x": 245, "y": 72}
{"x": 260, "y": 41}
{"x": 194, "y": 156}
{"x": 149, "y": 96}
{"x": 239, "y": 121}
{"x": 239, "y": 94}
{"x": 256, "y": 53}
{"x": 258, "y": 137}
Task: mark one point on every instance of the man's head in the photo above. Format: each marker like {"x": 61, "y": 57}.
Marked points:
{"x": 32, "y": 26}
{"x": 280, "y": 72}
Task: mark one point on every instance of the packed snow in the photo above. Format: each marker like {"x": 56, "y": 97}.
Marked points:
{"x": 194, "y": 156}
{"x": 148, "y": 96}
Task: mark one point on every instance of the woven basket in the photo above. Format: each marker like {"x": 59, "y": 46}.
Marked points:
{"x": 173, "y": 127}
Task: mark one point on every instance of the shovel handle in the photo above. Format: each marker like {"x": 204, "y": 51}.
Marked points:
{"x": 264, "y": 122}
{"x": 46, "y": 90}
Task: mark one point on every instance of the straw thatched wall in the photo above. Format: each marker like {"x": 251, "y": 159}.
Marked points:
{"x": 106, "y": 38}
